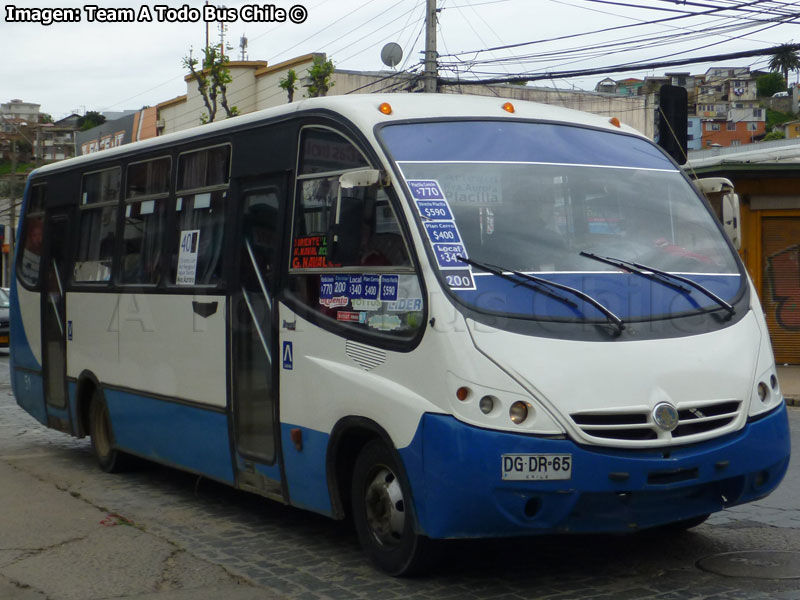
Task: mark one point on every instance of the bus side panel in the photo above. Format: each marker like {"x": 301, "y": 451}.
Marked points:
{"x": 26, "y": 329}
{"x": 28, "y": 389}
{"x": 190, "y": 437}
{"x": 26, "y": 356}
{"x": 93, "y": 319}
{"x": 321, "y": 385}
{"x": 174, "y": 345}
{"x": 305, "y": 469}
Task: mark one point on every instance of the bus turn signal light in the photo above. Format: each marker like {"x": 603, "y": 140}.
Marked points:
{"x": 508, "y": 107}
{"x": 615, "y": 122}
{"x": 385, "y": 108}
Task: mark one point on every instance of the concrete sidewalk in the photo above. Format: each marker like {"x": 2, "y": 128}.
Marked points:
{"x": 789, "y": 377}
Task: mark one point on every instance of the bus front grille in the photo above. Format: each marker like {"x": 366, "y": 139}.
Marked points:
{"x": 637, "y": 424}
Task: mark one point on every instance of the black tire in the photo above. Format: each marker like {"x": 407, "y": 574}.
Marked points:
{"x": 110, "y": 459}
{"x": 383, "y": 514}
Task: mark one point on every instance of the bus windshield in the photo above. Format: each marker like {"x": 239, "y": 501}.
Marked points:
{"x": 531, "y": 197}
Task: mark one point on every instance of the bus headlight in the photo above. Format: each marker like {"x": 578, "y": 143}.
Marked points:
{"x": 518, "y": 412}
{"x": 487, "y": 404}
{"x": 763, "y": 391}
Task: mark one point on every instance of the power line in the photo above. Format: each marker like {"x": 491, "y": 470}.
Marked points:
{"x": 626, "y": 67}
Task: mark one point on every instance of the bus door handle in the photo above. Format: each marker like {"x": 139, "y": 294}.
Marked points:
{"x": 204, "y": 309}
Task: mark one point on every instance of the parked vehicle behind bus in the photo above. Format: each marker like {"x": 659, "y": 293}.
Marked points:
{"x": 444, "y": 315}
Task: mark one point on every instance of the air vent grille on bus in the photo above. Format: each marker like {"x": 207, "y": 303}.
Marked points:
{"x": 694, "y": 419}
{"x": 365, "y": 356}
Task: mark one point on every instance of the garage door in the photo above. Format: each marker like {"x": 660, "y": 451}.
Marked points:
{"x": 780, "y": 238}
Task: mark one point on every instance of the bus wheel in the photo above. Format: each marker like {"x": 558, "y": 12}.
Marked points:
{"x": 109, "y": 459}
{"x": 384, "y": 516}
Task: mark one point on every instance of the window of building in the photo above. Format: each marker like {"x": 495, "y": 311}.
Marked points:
{"x": 752, "y": 126}
{"x": 731, "y": 125}
{"x": 98, "y": 224}
{"x": 712, "y": 127}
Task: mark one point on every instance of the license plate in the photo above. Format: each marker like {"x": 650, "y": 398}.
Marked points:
{"x": 534, "y": 467}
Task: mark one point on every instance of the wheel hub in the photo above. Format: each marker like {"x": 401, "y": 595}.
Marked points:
{"x": 385, "y": 507}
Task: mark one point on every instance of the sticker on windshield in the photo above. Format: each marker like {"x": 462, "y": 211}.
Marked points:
{"x": 425, "y": 189}
{"x": 434, "y": 210}
{"x": 447, "y": 255}
{"x": 443, "y": 231}
{"x": 389, "y": 285}
{"x": 460, "y": 280}
{"x": 370, "y": 287}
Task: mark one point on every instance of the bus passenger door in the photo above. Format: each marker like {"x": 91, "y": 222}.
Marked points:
{"x": 55, "y": 329}
{"x": 254, "y": 381}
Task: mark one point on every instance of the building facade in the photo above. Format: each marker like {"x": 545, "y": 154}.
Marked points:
{"x": 255, "y": 86}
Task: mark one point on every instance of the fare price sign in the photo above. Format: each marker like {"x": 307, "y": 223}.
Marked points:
{"x": 440, "y": 226}
{"x": 443, "y": 232}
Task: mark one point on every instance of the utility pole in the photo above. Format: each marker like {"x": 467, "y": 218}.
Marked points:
{"x": 431, "y": 71}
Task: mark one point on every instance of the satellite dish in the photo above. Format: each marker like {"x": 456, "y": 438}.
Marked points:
{"x": 392, "y": 54}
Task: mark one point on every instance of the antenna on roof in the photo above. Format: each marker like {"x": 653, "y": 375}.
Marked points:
{"x": 243, "y": 46}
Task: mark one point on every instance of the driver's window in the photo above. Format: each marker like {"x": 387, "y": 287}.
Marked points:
{"x": 368, "y": 282}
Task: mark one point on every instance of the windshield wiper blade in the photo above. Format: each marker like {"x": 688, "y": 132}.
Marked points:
{"x": 543, "y": 283}
{"x": 662, "y": 277}
{"x": 534, "y": 285}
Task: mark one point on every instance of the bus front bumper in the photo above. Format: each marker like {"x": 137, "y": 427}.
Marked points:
{"x": 460, "y": 492}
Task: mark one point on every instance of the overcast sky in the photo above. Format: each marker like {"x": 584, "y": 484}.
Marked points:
{"x": 77, "y": 67}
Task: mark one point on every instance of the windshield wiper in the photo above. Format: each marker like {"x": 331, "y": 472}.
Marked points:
{"x": 663, "y": 277}
{"x": 541, "y": 285}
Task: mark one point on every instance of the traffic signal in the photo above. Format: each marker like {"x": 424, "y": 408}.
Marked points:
{"x": 673, "y": 121}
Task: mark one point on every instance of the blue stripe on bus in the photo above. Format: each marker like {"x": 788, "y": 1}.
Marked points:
{"x": 626, "y": 295}
{"x": 459, "y": 491}
{"x": 306, "y": 472}
{"x": 169, "y": 432}
{"x": 19, "y": 347}
{"x": 29, "y": 391}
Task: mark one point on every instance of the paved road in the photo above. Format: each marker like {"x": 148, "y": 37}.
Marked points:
{"x": 70, "y": 532}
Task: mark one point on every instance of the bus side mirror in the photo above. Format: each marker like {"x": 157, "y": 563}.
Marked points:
{"x": 731, "y": 218}
{"x": 344, "y": 237}
{"x": 725, "y": 202}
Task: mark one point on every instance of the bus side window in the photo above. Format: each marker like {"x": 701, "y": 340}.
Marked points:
{"x": 98, "y": 224}
{"x": 370, "y": 287}
{"x": 146, "y": 189}
{"x": 203, "y": 177}
{"x": 32, "y": 231}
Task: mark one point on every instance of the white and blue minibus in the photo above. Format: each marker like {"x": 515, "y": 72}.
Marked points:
{"x": 446, "y": 316}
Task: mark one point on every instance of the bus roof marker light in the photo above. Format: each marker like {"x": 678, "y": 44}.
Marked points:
{"x": 385, "y": 108}
{"x": 508, "y": 107}
{"x": 615, "y": 122}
